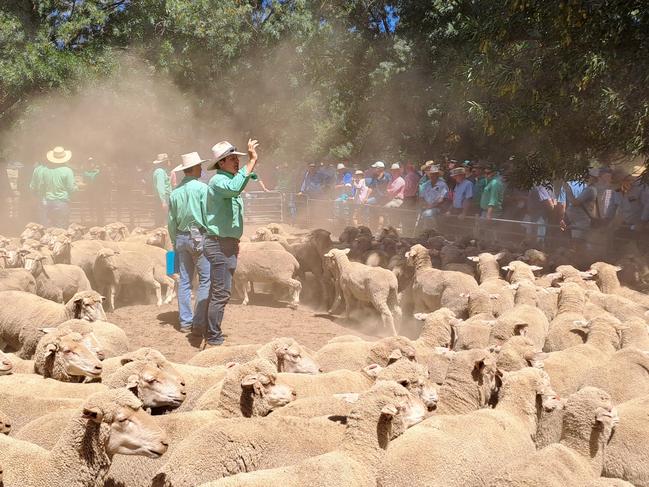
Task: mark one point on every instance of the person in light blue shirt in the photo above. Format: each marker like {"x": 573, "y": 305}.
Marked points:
{"x": 463, "y": 192}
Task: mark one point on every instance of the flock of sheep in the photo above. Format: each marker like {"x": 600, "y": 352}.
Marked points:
{"x": 489, "y": 373}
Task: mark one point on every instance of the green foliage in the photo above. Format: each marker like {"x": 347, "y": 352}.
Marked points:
{"x": 553, "y": 85}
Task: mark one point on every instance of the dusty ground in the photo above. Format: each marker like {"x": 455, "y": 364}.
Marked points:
{"x": 157, "y": 327}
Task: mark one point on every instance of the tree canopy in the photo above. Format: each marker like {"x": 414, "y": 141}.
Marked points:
{"x": 549, "y": 86}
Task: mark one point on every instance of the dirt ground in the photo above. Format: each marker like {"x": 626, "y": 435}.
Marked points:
{"x": 153, "y": 326}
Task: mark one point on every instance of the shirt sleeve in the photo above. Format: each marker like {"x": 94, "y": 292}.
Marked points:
{"x": 160, "y": 185}
{"x": 231, "y": 187}
{"x": 172, "y": 224}
{"x": 468, "y": 190}
{"x": 493, "y": 195}
{"x": 70, "y": 183}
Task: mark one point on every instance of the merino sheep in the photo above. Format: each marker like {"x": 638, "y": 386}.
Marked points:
{"x": 5, "y": 425}
{"x": 588, "y": 422}
{"x": 488, "y": 271}
{"x": 365, "y": 284}
{"x": 6, "y": 366}
{"x": 627, "y": 453}
{"x": 519, "y": 352}
{"x": 356, "y": 354}
{"x": 285, "y": 353}
{"x": 606, "y": 278}
{"x": 625, "y": 375}
{"x": 269, "y": 266}
{"x": 70, "y": 279}
{"x": 22, "y": 314}
{"x": 381, "y": 414}
{"x": 433, "y": 289}
{"x": 563, "y": 332}
{"x": 567, "y": 367}
{"x": 17, "y": 280}
{"x": 247, "y": 390}
{"x": 62, "y": 355}
{"x": 450, "y": 452}
{"x": 109, "y": 422}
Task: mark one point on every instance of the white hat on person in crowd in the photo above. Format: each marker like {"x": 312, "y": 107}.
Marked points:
{"x": 358, "y": 172}
{"x": 457, "y": 171}
{"x": 189, "y": 160}
{"x": 433, "y": 168}
{"x": 395, "y": 166}
{"x": 59, "y": 155}
{"x": 160, "y": 158}
{"x": 222, "y": 150}
{"x": 379, "y": 165}
{"x": 340, "y": 166}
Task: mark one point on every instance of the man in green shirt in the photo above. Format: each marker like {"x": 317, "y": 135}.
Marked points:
{"x": 224, "y": 225}
{"x": 161, "y": 187}
{"x": 53, "y": 184}
{"x": 491, "y": 199}
{"x": 185, "y": 224}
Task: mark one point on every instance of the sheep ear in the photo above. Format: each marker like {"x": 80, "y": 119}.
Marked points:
{"x": 48, "y": 330}
{"x": 506, "y": 268}
{"x": 346, "y": 251}
{"x": 249, "y": 380}
{"x": 372, "y": 370}
{"x": 394, "y": 356}
{"x": 229, "y": 365}
{"x": 536, "y": 268}
{"x": 329, "y": 254}
{"x": 618, "y": 268}
{"x": 479, "y": 366}
{"x": 50, "y": 349}
{"x": 389, "y": 410}
{"x": 132, "y": 381}
{"x": 125, "y": 360}
{"x": 499, "y": 255}
{"x": 588, "y": 274}
{"x": 473, "y": 258}
{"x": 520, "y": 329}
{"x": 421, "y": 316}
{"x": 93, "y": 414}
{"x": 581, "y": 325}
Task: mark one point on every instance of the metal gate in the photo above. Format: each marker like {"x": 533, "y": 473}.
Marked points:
{"x": 263, "y": 207}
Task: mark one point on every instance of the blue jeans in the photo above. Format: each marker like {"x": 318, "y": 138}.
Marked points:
{"x": 189, "y": 254}
{"x": 222, "y": 254}
{"x": 57, "y": 213}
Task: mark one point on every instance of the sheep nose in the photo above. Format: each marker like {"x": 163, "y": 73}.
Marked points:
{"x": 98, "y": 367}
{"x": 6, "y": 362}
{"x": 320, "y": 370}
{"x": 294, "y": 394}
{"x": 182, "y": 383}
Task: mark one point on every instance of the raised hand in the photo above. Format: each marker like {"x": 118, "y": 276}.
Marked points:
{"x": 252, "y": 149}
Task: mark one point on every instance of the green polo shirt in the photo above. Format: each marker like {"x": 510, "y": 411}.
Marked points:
{"x": 162, "y": 184}
{"x": 186, "y": 206}
{"x": 492, "y": 195}
{"x": 224, "y": 206}
{"x": 478, "y": 188}
{"x": 54, "y": 183}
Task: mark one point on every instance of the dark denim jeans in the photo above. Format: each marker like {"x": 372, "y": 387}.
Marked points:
{"x": 189, "y": 253}
{"x": 222, "y": 254}
{"x": 57, "y": 214}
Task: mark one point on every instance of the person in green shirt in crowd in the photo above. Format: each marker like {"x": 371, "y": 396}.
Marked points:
{"x": 185, "y": 224}
{"x": 491, "y": 199}
{"x": 479, "y": 183}
{"x": 54, "y": 184}
{"x": 224, "y": 225}
{"x": 161, "y": 187}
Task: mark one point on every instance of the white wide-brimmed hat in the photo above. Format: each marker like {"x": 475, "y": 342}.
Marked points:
{"x": 395, "y": 166}
{"x": 160, "y": 158}
{"x": 189, "y": 160}
{"x": 222, "y": 150}
{"x": 458, "y": 171}
{"x": 59, "y": 155}
{"x": 379, "y": 164}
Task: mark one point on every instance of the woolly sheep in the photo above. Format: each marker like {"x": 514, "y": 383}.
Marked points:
{"x": 636, "y": 334}
{"x": 247, "y": 390}
{"x": 606, "y": 278}
{"x": 268, "y": 266}
{"x": 22, "y": 314}
{"x": 625, "y": 375}
{"x": 562, "y": 332}
{"x": 17, "y": 280}
{"x": 70, "y": 279}
{"x": 449, "y": 452}
{"x": 6, "y": 365}
{"x": 62, "y": 355}
{"x": 108, "y": 423}
{"x": 364, "y": 284}
{"x": 433, "y": 289}
{"x": 285, "y": 353}
{"x": 518, "y": 271}
{"x": 488, "y": 272}
{"x": 588, "y": 422}
{"x": 622, "y": 308}
{"x": 5, "y": 424}
{"x": 356, "y": 354}
{"x": 518, "y": 352}
{"x": 380, "y": 414}
{"x": 627, "y": 453}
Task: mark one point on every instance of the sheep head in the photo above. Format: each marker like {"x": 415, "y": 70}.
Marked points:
{"x": 33, "y": 262}
{"x": 86, "y": 305}
{"x": 158, "y": 238}
{"x": 413, "y": 376}
{"x": 76, "y": 231}
{"x": 60, "y": 244}
{"x": 116, "y": 231}
{"x": 62, "y": 353}
{"x": 131, "y": 431}
{"x": 321, "y": 239}
{"x": 154, "y": 386}
{"x": 32, "y": 230}
{"x": 290, "y": 359}
{"x": 266, "y": 395}
{"x": 517, "y": 385}
{"x": 96, "y": 233}
{"x": 106, "y": 258}
{"x": 589, "y": 415}
{"x": 5, "y": 364}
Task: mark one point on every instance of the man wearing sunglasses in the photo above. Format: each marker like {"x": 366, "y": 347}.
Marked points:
{"x": 224, "y": 227}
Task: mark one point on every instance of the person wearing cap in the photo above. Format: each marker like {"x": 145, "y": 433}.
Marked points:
{"x": 541, "y": 206}
{"x": 185, "y": 223}
{"x": 491, "y": 197}
{"x": 343, "y": 184}
{"x": 462, "y": 193}
{"x": 424, "y": 175}
{"x": 581, "y": 207}
{"x": 161, "y": 186}
{"x": 312, "y": 182}
{"x": 54, "y": 184}
{"x": 434, "y": 192}
{"x": 361, "y": 191}
{"x": 223, "y": 222}
{"x": 396, "y": 187}
{"x": 378, "y": 183}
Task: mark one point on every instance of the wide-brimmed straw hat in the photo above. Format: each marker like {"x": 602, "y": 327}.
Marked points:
{"x": 189, "y": 160}
{"x": 59, "y": 155}
{"x": 160, "y": 158}
{"x": 457, "y": 171}
{"x": 222, "y": 150}
{"x": 433, "y": 168}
